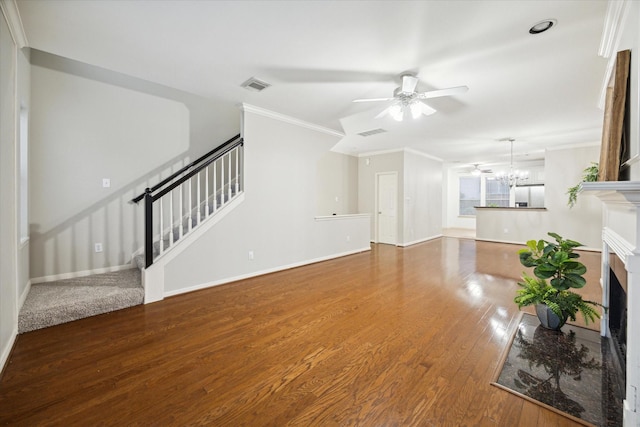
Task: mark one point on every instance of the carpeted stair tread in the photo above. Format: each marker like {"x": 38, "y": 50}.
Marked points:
{"x": 63, "y": 301}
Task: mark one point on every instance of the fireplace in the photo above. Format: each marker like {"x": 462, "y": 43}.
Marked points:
{"x": 617, "y": 316}
{"x": 621, "y": 283}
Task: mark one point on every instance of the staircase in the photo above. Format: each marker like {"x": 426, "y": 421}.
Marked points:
{"x": 174, "y": 208}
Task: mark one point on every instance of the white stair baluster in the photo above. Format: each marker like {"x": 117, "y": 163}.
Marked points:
{"x": 215, "y": 188}
{"x": 161, "y": 227}
{"x": 222, "y": 182}
{"x": 181, "y": 232}
{"x": 198, "y": 197}
{"x": 230, "y": 193}
{"x": 206, "y": 191}
{"x": 190, "y": 213}
{"x": 170, "y": 218}
{"x": 237, "y": 151}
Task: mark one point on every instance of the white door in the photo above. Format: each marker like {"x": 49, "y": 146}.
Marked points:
{"x": 387, "y": 201}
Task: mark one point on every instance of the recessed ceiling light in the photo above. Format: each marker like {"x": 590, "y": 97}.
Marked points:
{"x": 542, "y": 26}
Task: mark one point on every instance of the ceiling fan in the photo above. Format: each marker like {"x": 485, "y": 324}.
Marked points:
{"x": 477, "y": 171}
{"x": 407, "y": 100}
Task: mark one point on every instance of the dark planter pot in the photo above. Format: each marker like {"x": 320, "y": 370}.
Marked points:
{"x": 548, "y": 319}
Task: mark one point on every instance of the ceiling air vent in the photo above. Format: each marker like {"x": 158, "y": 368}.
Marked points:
{"x": 371, "y": 132}
{"x": 255, "y": 85}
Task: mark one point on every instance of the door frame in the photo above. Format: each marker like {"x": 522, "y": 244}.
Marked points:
{"x": 377, "y": 205}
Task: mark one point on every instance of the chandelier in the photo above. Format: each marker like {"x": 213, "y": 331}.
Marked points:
{"x": 513, "y": 177}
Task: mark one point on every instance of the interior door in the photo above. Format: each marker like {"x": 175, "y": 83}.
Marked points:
{"x": 387, "y": 208}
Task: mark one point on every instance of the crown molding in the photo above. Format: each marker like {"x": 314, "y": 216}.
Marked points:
{"x": 12, "y": 15}
{"x": 613, "y": 25}
{"x": 615, "y": 18}
{"x": 420, "y": 153}
{"x": 288, "y": 119}
{"x": 380, "y": 152}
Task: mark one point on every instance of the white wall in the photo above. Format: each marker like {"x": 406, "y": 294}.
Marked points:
{"x": 368, "y": 167}
{"x": 13, "y": 88}
{"x": 563, "y": 169}
{"x": 337, "y": 184}
{"x": 422, "y": 198}
{"x": 283, "y": 172}
{"x": 82, "y": 131}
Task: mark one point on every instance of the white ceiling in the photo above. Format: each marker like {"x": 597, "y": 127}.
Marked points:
{"x": 542, "y": 90}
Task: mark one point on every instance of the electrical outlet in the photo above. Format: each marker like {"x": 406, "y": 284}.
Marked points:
{"x": 348, "y": 238}
{"x": 250, "y": 255}
{"x": 506, "y": 230}
{"x": 98, "y": 247}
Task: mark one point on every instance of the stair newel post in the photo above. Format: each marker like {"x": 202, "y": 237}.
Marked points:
{"x": 148, "y": 228}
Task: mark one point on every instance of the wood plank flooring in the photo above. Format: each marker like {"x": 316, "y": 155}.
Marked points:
{"x": 395, "y": 337}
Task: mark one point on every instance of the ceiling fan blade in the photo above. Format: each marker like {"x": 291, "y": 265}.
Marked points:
{"x": 372, "y": 99}
{"x": 443, "y": 92}
{"x": 426, "y": 110}
{"x": 409, "y": 83}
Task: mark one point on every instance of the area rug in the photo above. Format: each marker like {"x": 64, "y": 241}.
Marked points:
{"x": 568, "y": 372}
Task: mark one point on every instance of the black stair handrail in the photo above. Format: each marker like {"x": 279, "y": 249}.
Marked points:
{"x": 162, "y": 189}
{"x": 213, "y": 152}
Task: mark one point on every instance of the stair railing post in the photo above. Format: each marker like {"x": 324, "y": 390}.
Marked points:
{"x": 148, "y": 228}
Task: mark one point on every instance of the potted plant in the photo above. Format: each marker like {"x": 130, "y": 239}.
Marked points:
{"x": 555, "y": 302}
{"x": 590, "y": 174}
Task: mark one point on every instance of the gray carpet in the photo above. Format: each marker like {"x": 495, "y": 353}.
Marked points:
{"x": 63, "y": 301}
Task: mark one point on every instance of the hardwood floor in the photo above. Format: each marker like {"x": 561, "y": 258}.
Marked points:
{"x": 393, "y": 337}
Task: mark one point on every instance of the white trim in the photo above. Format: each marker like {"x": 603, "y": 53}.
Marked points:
{"x": 288, "y": 119}
{"x": 14, "y": 21}
{"x": 615, "y": 18}
{"x": 420, "y": 153}
{"x": 415, "y": 242}
{"x": 335, "y": 217}
{"x": 616, "y": 12}
{"x": 153, "y": 277}
{"x": 615, "y": 192}
{"x": 23, "y": 296}
{"x": 76, "y": 274}
{"x": 619, "y": 245}
{"x": 6, "y": 351}
{"x": 263, "y": 272}
{"x": 380, "y": 152}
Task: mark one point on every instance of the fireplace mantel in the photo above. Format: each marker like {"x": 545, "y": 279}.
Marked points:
{"x": 621, "y": 236}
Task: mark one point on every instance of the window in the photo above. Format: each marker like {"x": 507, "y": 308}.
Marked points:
{"x": 497, "y": 193}
{"x": 469, "y": 194}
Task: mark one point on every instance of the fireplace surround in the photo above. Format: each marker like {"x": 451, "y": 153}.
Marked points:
{"x": 621, "y": 270}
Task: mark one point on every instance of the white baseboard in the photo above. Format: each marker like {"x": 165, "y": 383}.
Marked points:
{"x": 6, "y": 350}
{"x": 83, "y": 273}
{"x": 262, "y": 272}
{"x": 415, "y": 242}
{"x": 23, "y": 296}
